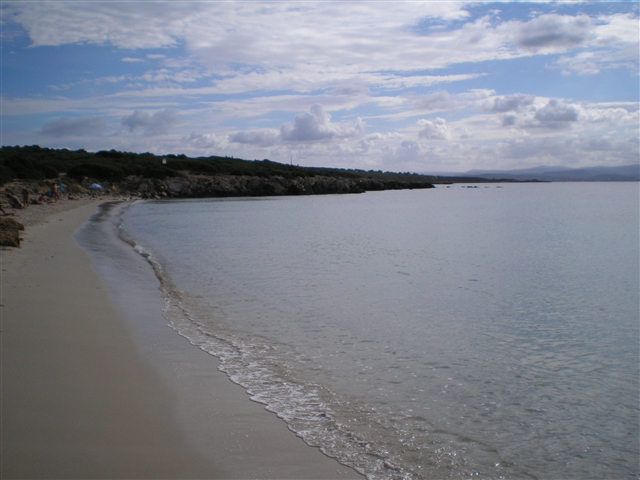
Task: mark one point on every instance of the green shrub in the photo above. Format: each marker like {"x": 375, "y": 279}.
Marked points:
{"x": 201, "y": 167}
{"x": 159, "y": 172}
{"x": 96, "y": 171}
{"x": 6, "y": 175}
{"x": 49, "y": 171}
{"x": 29, "y": 169}
{"x": 109, "y": 154}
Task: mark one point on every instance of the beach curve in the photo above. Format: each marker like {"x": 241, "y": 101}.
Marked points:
{"x": 80, "y": 401}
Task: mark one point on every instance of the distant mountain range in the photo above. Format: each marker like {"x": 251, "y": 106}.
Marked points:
{"x": 624, "y": 173}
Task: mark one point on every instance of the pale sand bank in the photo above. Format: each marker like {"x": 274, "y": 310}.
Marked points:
{"x": 84, "y": 397}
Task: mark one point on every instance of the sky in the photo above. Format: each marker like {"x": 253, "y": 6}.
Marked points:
{"x": 419, "y": 86}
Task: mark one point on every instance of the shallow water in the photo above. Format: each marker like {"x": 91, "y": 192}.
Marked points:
{"x": 448, "y": 333}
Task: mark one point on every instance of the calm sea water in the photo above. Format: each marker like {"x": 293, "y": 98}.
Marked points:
{"x": 487, "y": 332}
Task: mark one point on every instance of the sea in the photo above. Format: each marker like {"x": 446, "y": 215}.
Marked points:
{"x": 466, "y": 331}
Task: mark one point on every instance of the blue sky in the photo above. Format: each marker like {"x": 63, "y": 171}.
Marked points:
{"x": 403, "y": 86}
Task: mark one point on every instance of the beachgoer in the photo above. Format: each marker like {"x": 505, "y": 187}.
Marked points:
{"x": 26, "y": 197}
{"x": 56, "y": 195}
{"x": 41, "y": 198}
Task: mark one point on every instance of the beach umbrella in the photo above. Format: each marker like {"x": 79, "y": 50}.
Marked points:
{"x": 95, "y": 185}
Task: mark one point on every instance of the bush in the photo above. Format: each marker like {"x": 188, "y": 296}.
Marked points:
{"x": 6, "y": 175}
{"x": 203, "y": 168}
{"x": 49, "y": 171}
{"x": 159, "y": 172}
{"x": 97, "y": 171}
{"x": 110, "y": 154}
{"x": 176, "y": 165}
{"x": 29, "y": 169}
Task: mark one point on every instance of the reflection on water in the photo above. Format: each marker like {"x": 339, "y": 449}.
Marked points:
{"x": 445, "y": 333}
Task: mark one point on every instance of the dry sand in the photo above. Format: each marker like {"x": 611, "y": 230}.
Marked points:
{"x": 82, "y": 398}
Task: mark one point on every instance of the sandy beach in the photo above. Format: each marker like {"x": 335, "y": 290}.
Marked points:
{"x": 85, "y": 394}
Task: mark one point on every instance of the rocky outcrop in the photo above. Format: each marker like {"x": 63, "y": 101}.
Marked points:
{"x": 200, "y": 186}
{"x": 10, "y": 232}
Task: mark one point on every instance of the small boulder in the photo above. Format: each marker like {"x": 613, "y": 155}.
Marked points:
{"x": 10, "y": 232}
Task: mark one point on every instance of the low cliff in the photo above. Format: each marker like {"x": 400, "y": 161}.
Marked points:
{"x": 204, "y": 186}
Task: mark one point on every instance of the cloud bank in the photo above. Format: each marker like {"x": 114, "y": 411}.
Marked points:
{"x": 74, "y": 127}
{"x": 403, "y": 86}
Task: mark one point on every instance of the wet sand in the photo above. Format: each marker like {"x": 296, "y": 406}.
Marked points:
{"x": 86, "y": 394}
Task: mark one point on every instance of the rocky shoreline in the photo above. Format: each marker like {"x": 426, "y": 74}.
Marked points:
{"x": 183, "y": 186}
{"x": 204, "y": 186}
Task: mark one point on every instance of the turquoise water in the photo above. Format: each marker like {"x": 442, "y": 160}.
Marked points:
{"x": 448, "y": 333}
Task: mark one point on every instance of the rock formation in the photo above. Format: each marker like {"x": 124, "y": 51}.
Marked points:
{"x": 10, "y": 232}
{"x": 201, "y": 186}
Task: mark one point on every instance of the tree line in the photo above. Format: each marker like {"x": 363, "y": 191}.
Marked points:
{"x": 38, "y": 163}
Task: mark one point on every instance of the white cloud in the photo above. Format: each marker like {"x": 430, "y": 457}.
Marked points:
{"x": 612, "y": 115}
{"x": 165, "y": 75}
{"x": 263, "y": 137}
{"x": 592, "y": 62}
{"x": 410, "y": 149}
{"x": 436, "y": 130}
{"x": 615, "y": 46}
{"x": 571, "y": 151}
{"x": 316, "y": 125}
{"x": 582, "y": 63}
{"x": 411, "y": 105}
{"x": 465, "y": 133}
{"x": 324, "y": 34}
{"x": 539, "y": 115}
{"x": 401, "y": 82}
{"x": 227, "y": 65}
{"x": 206, "y": 141}
{"x": 350, "y": 89}
{"x": 557, "y": 114}
{"x": 507, "y": 103}
{"x": 157, "y": 124}
{"x": 248, "y": 48}
{"x": 74, "y": 127}
{"x": 125, "y": 25}
{"x": 436, "y": 101}
{"x": 553, "y": 31}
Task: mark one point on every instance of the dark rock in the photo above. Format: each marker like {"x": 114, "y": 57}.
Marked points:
{"x": 10, "y": 232}
{"x": 202, "y": 186}
{"x": 11, "y": 223}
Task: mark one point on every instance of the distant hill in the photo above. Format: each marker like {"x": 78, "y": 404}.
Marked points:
{"x": 624, "y": 173}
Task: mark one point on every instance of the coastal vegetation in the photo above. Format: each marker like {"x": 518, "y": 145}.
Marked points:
{"x": 151, "y": 176}
{"x": 37, "y": 163}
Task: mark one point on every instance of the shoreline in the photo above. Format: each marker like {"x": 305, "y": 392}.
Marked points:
{"x": 83, "y": 395}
